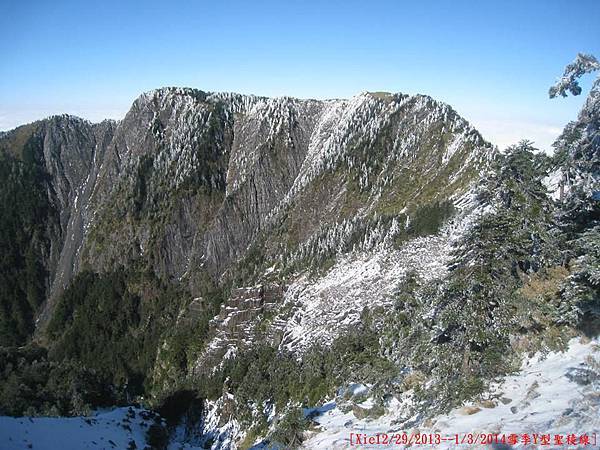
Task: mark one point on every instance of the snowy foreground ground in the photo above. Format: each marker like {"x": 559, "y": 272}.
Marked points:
{"x": 120, "y": 428}
{"x": 556, "y": 395}
{"x": 105, "y": 430}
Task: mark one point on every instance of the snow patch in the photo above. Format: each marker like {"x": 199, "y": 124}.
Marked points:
{"x": 549, "y": 395}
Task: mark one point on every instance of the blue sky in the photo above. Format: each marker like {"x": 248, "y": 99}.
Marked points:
{"x": 492, "y": 61}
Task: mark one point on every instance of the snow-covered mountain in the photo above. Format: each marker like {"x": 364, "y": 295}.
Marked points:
{"x": 228, "y": 259}
{"x": 202, "y": 177}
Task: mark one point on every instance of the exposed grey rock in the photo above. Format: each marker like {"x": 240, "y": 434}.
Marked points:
{"x": 189, "y": 183}
{"x": 582, "y": 376}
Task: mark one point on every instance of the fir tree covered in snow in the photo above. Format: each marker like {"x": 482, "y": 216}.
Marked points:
{"x": 480, "y": 307}
{"x": 578, "y": 158}
{"x": 568, "y": 82}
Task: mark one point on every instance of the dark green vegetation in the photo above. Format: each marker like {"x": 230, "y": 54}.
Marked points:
{"x": 97, "y": 322}
{"x": 103, "y": 343}
{"x": 424, "y": 220}
{"x": 26, "y": 219}
{"x": 115, "y": 322}
{"x": 33, "y": 384}
{"x": 264, "y": 376}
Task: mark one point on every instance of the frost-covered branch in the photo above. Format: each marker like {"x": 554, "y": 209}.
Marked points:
{"x": 568, "y": 82}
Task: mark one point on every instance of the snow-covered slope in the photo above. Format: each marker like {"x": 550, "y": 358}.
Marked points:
{"x": 120, "y": 428}
{"x": 116, "y": 429}
{"x": 327, "y": 306}
{"x": 556, "y": 394}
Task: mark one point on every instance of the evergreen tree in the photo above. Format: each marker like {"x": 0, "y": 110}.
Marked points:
{"x": 568, "y": 82}
{"x": 26, "y": 217}
{"x": 480, "y": 307}
{"x": 578, "y": 159}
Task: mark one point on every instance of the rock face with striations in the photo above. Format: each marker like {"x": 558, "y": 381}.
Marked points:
{"x": 195, "y": 185}
{"x": 70, "y": 151}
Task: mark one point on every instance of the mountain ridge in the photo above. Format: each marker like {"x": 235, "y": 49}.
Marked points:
{"x": 167, "y": 126}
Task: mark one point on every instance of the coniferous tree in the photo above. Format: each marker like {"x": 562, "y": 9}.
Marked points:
{"x": 480, "y": 307}
{"x": 578, "y": 216}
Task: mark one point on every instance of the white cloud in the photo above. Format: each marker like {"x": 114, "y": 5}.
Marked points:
{"x": 506, "y": 131}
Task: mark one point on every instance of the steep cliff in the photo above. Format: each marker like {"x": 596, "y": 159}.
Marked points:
{"x": 194, "y": 186}
{"x": 60, "y": 156}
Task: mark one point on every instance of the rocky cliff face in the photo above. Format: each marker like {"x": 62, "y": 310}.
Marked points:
{"x": 193, "y": 185}
{"x": 73, "y": 153}
{"x": 68, "y": 152}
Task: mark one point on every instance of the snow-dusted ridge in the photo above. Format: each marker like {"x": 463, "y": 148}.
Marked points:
{"x": 331, "y": 125}
{"x": 263, "y": 154}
